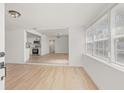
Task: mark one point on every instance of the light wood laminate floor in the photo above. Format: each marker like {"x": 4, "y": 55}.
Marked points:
{"x": 38, "y": 77}
{"x": 61, "y": 58}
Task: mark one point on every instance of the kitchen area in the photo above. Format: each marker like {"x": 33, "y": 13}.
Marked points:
{"x": 32, "y": 45}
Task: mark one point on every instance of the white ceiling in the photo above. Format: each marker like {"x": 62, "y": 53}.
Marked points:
{"x": 49, "y": 17}
{"x": 55, "y": 32}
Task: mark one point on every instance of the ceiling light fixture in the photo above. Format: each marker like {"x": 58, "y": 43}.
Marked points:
{"x": 14, "y": 13}
{"x": 58, "y": 35}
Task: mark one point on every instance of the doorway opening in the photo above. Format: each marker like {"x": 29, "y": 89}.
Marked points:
{"x": 54, "y": 48}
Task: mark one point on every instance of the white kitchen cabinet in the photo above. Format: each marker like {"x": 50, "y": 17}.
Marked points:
{"x": 2, "y": 48}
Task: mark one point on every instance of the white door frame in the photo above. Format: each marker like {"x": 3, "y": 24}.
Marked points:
{"x": 2, "y": 48}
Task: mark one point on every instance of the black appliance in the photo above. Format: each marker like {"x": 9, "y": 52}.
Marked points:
{"x": 35, "y": 51}
{"x": 36, "y": 42}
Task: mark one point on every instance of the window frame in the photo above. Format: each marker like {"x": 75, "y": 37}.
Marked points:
{"x": 112, "y": 57}
{"x": 115, "y": 36}
{"x": 97, "y": 40}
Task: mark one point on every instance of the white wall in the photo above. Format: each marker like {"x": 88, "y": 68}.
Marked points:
{"x": 26, "y": 51}
{"x": 44, "y": 45}
{"x": 104, "y": 76}
{"x": 14, "y": 46}
{"x": 61, "y": 45}
{"x": 75, "y": 46}
{"x": 16, "y": 51}
{"x": 2, "y": 27}
{"x": 2, "y": 43}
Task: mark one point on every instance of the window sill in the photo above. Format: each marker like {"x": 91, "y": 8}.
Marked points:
{"x": 111, "y": 64}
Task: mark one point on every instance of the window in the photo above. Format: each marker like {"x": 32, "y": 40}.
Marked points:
{"x": 106, "y": 41}
{"x": 98, "y": 39}
{"x": 102, "y": 37}
{"x": 118, "y": 30}
{"x": 89, "y": 42}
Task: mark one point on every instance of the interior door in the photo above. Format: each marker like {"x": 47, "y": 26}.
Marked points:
{"x": 52, "y": 46}
{"x": 2, "y": 48}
